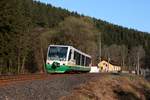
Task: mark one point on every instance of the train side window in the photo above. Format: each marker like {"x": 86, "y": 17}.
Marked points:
{"x": 85, "y": 61}
{"x": 83, "y": 57}
{"x": 78, "y": 58}
{"x": 75, "y": 55}
{"x": 70, "y": 53}
{"x": 88, "y": 61}
{"x": 86, "y": 64}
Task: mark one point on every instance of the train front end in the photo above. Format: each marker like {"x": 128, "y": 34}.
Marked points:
{"x": 57, "y": 59}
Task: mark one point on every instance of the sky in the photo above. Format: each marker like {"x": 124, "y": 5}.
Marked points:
{"x": 128, "y": 13}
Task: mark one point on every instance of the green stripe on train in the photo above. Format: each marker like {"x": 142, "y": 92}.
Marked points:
{"x": 66, "y": 68}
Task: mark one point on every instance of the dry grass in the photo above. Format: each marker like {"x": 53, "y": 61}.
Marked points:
{"x": 112, "y": 87}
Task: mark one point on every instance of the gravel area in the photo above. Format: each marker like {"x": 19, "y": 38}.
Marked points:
{"x": 51, "y": 89}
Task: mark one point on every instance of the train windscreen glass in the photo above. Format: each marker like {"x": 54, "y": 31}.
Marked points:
{"x": 57, "y": 53}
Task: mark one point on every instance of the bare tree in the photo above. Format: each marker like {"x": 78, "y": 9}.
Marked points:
{"x": 115, "y": 54}
{"x": 105, "y": 52}
{"x": 124, "y": 53}
{"x": 137, "y": 54}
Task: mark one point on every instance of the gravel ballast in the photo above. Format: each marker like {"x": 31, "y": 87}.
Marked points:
{"x": 49, "y": 89}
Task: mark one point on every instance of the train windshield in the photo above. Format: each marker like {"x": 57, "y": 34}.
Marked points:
{"x": 57, "y": 53}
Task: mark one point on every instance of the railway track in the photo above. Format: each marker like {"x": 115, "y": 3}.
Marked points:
{"x": 7, "y": 79}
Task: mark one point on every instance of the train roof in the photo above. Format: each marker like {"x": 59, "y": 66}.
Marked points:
{"x": 72, "y": 48}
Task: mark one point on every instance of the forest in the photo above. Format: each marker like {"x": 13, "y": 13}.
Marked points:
{"x": 27, "y": 27}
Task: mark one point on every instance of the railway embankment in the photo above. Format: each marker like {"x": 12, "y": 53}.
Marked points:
{"x": 79, "y": 87}
{"x": 50, "y": 88}
{"x": 113, "y": 87}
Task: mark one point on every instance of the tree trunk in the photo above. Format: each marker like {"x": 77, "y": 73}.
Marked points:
{"x": 138, "y": 64}
{"x": 10, "y": 65}
{"x": 18, "y": 69}
{"x": 43, "y": 62}
{"x": 23, "y": 63}
{"x": 19, "y": 55}
{"x": 100, "y": 46}
{"x": 1, "y": 65}
{"x": 123, "y": 65}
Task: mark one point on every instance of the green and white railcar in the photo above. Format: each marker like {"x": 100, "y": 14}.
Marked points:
{"x": 62, "y": 58}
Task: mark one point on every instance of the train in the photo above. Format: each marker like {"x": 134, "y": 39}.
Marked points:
{"x": 64, "y": 59}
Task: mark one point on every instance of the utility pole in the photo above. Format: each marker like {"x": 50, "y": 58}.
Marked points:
{"x": 138, "y": 64}
{"x": 108, "y": 63}
{"x": 100, "y": 46}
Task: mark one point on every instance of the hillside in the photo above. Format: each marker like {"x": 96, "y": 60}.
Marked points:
{"x": 112, "y": 87}
{"x": 26, "y": 23}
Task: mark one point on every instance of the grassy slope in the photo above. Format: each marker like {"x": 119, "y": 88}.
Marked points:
{"x": 113, "y": 87}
